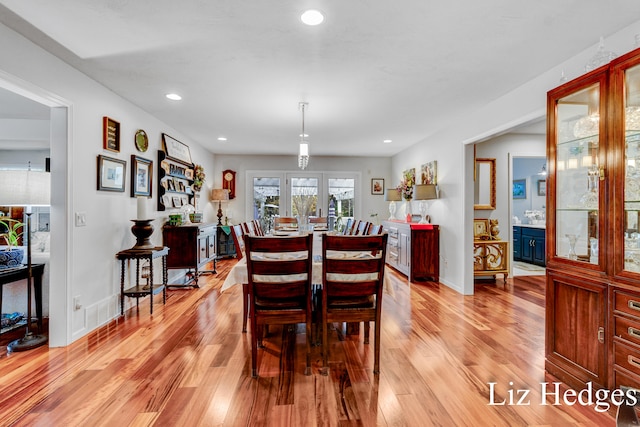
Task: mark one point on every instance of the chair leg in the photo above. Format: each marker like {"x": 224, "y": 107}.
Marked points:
{"x": 376, "y": 348}
{"x": 307, "y": 371}
{"x": 245, "y": 306}
{"x": 254, "y": 347}
{"x": 366, "y": 332}
{"x": 325, "y": 347}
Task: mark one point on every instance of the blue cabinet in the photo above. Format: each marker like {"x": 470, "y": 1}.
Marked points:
{"x": 517, "y": 243}
{"x": 532, "y": 245}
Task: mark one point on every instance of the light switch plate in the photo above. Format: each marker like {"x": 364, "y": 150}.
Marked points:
{"x": 81, "y": 219}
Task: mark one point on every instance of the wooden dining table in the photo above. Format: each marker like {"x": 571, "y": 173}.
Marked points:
{"x": 239, "y": 275}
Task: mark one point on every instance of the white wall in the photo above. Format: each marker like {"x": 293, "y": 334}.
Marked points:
{"x": 504, "y": 148}
{"x": 91, "y": 271}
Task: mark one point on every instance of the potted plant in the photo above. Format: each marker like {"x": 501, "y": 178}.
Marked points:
{"x": 11, "y": 256}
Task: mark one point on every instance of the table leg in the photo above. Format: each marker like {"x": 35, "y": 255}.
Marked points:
{"x": 122, "y": 267}
{"x": 164, "y": 279}
{"x": 37, "y": 287}
{"x": 151, "y": 285}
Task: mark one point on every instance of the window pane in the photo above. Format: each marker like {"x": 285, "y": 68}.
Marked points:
{"x": 304, "y": 196}
{"x": 342, "y": 196}
{"x": 266, "y": 200}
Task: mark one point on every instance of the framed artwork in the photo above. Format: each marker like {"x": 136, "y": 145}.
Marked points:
{"x": 176, "y": 150}
{"x": 480, "y": 228}
{"x": 141, "y": 176}
{"x": 428, "y": 171}
{"x": 542, "y": 187}
{"x": 519, "y": 188}
{"x": 377, "y": 186}
{"x": 110, "y": 134}
{"x": 111, "y": 173}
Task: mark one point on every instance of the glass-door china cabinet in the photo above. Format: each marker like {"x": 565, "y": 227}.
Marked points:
{"x": 593, "y": 227}
{"x": 576, "y": 229}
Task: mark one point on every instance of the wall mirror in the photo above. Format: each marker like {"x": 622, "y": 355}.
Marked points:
{"x": 485, "y": 184}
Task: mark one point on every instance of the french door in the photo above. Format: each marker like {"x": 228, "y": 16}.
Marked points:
{"x": 275, "y": 193}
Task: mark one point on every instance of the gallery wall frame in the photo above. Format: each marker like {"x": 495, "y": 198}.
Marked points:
{"x": 141, "y": 176}
{"x": 110, "y": 134}
{"x": 176, "y": 150}
{"x": 111, "y": 174}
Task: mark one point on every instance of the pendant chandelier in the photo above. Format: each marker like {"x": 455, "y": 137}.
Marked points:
{"x": 303, "y": 153}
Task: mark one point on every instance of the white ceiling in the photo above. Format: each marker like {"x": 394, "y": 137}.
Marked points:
{"x": 373, "y": 70}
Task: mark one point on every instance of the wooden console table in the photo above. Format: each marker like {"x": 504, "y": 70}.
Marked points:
{"x": 11, "y": 275}
{"x": 143, "y": 290}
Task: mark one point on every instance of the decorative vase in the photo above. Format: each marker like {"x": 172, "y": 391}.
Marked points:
{"x": 11, "y": 258}
{"x": 573, "y": 238}
{"x": 142, "y": 229}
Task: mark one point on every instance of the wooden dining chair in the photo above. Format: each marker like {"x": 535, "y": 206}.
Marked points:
{"x": 238, "y": 240}
{"x": 375, "y": 229}
{"x": 347, "y": 227}
{"x": 352, "y": 279}
{"x": 281, "y": 222}
{"x": 362, "y": 228}
{"x": 257, "y": 228}
{"x": 279, "y": 271}
{"x": 319, "y": 221}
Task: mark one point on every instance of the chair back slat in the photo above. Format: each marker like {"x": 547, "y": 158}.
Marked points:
{"x": 238, "y": 240}
{"x": 281, "y": 222}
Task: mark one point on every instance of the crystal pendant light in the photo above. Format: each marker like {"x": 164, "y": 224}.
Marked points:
{"x": 303, "y": 152}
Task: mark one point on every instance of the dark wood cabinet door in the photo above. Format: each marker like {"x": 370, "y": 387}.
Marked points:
{"x": 575, "y": 329}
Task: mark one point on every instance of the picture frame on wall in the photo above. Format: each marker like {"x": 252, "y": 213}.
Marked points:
{"x": 176, "y": 150}
{"x": 111, "y": 174}
{"x": 542, "y": 187}
{"x": 519, "y": 189}
{"x": 429, "y": 174}
{"x": 377, "y": 186}
{"x": 480, "y": 228}
{"x": 141, "y": 176}
{"x": 110, "y": 134}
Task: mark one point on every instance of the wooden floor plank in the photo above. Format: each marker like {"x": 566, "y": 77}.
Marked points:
{"x": 189, "y": 364}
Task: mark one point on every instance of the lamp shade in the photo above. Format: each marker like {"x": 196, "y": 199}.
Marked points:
{"x": 25, "y": 188}
{"x": 392, "y": 195}
{"x": 219, "y": 195}
{"x": 425, "y": 192}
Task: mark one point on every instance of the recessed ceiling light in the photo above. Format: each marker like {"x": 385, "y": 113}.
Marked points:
{"x": 312, "y": 17}
{"x": 222, "y": 138}
{"x": 173, "y": 96}
{"x": 387, "y": 141}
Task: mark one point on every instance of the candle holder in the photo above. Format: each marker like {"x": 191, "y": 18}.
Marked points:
{"x": 143, "y": 230}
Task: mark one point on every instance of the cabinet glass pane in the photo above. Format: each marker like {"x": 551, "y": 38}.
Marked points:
{"x": 632, "y": 170}
{"x": 577, "y": 175}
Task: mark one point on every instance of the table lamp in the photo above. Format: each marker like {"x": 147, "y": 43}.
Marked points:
{"x": 219, "y": 195}
{"x": 392, "y": 195}
{"x": 425, "y": 192}
{"x": 26, "y": 188}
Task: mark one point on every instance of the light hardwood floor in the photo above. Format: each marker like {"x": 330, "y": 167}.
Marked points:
{"x": 189, "y": 365}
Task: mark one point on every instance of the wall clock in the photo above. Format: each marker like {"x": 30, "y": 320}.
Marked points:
{"x": 229, "y": 182}
{"x": 142, "y": 140}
